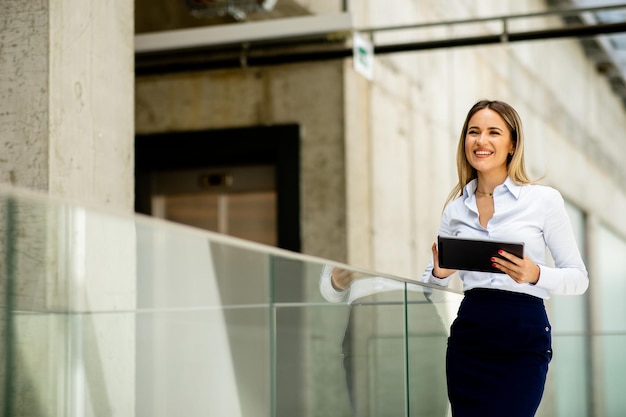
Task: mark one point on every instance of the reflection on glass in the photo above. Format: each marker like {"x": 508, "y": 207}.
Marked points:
{"x": 137, "y": 317}
{"x": 393, "y": 346}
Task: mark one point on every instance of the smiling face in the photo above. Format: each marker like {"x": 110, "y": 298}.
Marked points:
{"x": 488, "y": 143}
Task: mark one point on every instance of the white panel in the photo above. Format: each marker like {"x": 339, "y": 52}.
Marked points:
{"x": 244, "y": 32}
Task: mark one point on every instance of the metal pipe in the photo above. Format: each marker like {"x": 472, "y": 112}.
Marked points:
{"x": 200, "y": 60}
{"x": 545, "y": 34}
{"x": 559, "y": 12}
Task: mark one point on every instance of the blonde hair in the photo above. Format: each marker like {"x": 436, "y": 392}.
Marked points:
{"x": 515, "y": 163}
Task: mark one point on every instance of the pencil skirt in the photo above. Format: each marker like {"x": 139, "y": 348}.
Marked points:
{"x": 498, "y": 353}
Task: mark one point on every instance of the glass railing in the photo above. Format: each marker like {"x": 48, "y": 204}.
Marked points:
{"x": 107, "y": 315}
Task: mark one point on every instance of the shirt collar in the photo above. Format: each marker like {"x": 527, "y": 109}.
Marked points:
{"x": 514, "y": 189}
{"x": 508, "y": 185}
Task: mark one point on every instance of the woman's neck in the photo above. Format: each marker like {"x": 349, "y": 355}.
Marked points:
{"x": 485, "y": 184}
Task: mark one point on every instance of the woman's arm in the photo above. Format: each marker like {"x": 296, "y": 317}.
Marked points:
{"x": 334, "y": 283}
{"x": 433, "y": 273}
{"x": 569, "y": 275}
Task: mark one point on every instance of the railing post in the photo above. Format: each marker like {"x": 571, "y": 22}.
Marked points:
{"x": 9, "y": 279}
{"x": 272, "y": 335}
{"x": 406, "y": 353}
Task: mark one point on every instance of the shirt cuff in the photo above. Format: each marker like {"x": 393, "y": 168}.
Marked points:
{"x": 442, "y": 282}
{"x": 326, "y": 287}
{"x": 549, "y": 278}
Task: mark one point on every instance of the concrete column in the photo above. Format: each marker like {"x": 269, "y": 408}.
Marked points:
{"x": 66, "y": 99}
{"x": 67, "y": 130}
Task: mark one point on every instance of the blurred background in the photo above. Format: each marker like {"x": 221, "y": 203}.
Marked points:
{"x": 328, "y": 128}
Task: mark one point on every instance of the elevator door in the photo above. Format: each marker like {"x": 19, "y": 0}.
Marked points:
{"x": 238, "y": 201}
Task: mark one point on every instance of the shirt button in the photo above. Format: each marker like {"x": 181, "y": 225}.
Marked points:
{"x": 547, "y": 329}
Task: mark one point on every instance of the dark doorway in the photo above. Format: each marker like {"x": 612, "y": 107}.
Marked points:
{"x": 242, "y": 182}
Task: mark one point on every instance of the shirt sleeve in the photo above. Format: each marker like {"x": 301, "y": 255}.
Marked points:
{"x": 427, "y": 276}
{"x": 327, "y": 290}
{"x": 569, "y": 275}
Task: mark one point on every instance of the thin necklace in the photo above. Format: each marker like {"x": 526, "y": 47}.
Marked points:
{"x": 484, "y": 193}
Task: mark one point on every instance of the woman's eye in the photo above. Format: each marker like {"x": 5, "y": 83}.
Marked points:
{"x": 495, "y": 132}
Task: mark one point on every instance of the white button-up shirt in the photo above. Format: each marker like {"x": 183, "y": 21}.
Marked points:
{"x": 533, "y": 214}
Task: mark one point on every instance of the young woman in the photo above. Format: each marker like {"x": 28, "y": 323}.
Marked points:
{"x": 500, "y": 343}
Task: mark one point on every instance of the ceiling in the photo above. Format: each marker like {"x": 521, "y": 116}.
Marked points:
{"x": 607, "y": 51}
{"x": 601, "y": 31}
{"x": 162, "y": 15}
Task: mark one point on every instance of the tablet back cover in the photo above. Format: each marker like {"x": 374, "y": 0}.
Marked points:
{"x": 473, "y": 254}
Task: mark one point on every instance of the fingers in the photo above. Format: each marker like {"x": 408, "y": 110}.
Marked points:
{"x": 522, "y": 270}
{"x": 506, "y": 262}
{"x": 439, "y": 272}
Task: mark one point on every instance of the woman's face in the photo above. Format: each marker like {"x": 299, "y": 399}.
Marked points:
{"x": 488, "y": 142}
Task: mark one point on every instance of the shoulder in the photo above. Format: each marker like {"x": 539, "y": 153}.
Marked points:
{"x": 539, "y": 190}
{"x": 455, "y": 204}
{"x": 550, "y": 197}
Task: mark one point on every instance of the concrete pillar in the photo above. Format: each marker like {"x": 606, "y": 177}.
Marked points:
{"x": 66, "y": 99}
{"x": 67, "y": 130}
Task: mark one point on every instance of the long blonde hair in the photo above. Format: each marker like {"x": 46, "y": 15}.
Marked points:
{"x": 515, "y": 163}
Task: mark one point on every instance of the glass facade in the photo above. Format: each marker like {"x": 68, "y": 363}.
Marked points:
{"x": 569, "y": 376}
{"x": 609, "y": 331}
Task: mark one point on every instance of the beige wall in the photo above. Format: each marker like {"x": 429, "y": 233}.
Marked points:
{"x": 307, "y": 94}
{"x": 378, "y": 157}
{"x": 417, "y": 103}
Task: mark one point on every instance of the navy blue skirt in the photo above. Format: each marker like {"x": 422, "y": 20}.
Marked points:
{"x": 498, "y": 353}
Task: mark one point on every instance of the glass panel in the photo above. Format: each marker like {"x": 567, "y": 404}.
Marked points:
{"x": 567, "y": 392}
{"x": 205, "y": 326}
{"x": 384, "y": 372}
{"x": 106, "y": 315}
{"x": 376, "y": 344}
{"x": 32, "y": 346}
{"x": 309, "y": 378}
{"x": 430, "y": 313}
{"x": 610, "y": 284}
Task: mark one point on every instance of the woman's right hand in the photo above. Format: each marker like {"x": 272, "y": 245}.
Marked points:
{"x": 440, "y": 273}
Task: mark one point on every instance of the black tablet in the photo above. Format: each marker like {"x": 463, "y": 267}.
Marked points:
{"x": 473, "y": 254}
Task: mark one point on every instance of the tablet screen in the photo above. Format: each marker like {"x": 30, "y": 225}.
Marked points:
{"x": 472, "y": 254}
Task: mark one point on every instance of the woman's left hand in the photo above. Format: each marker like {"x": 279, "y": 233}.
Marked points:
{"x": 521, "y": 270}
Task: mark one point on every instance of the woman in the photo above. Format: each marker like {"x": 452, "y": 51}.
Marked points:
{"x": 500, "y": 343}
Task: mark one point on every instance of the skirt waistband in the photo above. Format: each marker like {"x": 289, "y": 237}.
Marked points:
{"x": 492, "y": 294}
